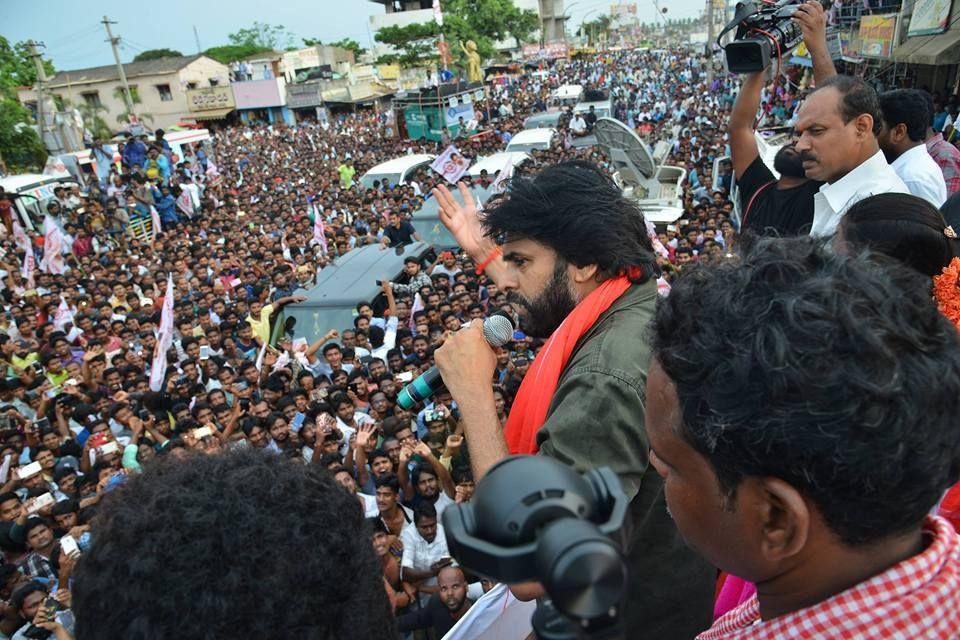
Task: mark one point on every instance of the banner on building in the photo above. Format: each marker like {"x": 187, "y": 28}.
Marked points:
{"x": 209, "y": 98}
{"x": 929, "y": 17}
{"x": 876, "y": 35}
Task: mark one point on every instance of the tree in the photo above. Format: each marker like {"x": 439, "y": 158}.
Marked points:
{"x": 156, "y": 54}
{"x": 20, "y": 145}
{"x": 92, "y": 119}
{"x": 124, "y": 116}
{"x": 265, "y": 36}
{"x": 230, "y": 52}
{"x": 483, "y": 21}
{"x": 350, "y": 45}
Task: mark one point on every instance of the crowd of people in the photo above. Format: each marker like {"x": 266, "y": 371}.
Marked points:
{"x": 246, "y": 223}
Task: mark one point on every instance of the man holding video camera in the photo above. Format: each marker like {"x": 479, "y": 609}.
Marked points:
{"x": 784, "y": 205}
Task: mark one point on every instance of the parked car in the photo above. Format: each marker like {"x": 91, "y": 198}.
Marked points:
{"x": 332, "y": 302}
{"x": 656, "y": 188}
{"x": 396, "y": 171}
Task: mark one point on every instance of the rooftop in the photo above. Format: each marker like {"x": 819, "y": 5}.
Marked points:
{"x": 109, "y": 72}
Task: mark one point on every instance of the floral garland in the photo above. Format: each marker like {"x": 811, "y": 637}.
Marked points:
{"x": 946, "y": 291}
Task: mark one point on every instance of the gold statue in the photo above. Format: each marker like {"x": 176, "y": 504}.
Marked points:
{"x": 473, "y": 61}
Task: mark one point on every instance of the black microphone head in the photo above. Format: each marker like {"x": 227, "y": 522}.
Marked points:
{"x": 498, "y": 330}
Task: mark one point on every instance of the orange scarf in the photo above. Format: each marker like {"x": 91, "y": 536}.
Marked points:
{"x": 529, "y": 410}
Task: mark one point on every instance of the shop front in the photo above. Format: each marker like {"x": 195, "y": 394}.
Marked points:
{"x": 262, "y": 101}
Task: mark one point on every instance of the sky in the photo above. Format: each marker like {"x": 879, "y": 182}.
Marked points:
{"x": 75, "y": 38}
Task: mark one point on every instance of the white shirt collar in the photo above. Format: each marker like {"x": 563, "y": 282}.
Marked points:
{"x": 910, "y": 155}
{"x": 839, "y": 193}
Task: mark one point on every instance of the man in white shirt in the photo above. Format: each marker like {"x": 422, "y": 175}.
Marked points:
{"x": 578, "y": 126}
{"x": 837, "y": 128}
{"x": 424, "y": 550}
{"x": 906, "y": 116}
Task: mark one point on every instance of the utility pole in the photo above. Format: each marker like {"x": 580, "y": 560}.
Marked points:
{"x": 127, "y": 98}
{"x": 41, "y": 78}
{"x": 710, "y": 41}
{"x": 196, "y": 36}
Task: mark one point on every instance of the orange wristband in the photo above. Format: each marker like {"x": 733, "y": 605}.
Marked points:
{"x": 490, "y": 258}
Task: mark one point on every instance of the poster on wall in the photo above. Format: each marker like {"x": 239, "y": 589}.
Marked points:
{"x": 929, "y": 17}
{"x": 876, "y": 35}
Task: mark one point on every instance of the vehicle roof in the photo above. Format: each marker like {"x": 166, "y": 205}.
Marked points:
{"x": 497, "y": 161}
{"x": 351, "y": 278}
{"x": 401, "y": 164}
{"x": 548, "y": 117}
{"x": 567, "y": 91}
{"x": 531, "y": 136}
{"x": 12, "y": 184}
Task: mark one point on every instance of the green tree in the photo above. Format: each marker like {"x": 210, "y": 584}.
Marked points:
{"x": 156, "y": 54}
{"x": 92, "y": 119}
{"x": 20, "y": 146}
{"x": 483, "y": 21}
{"x": 124, "y": 116}
{"x": 351, "y": 45}
{"x": 265, "y": 36}
{"x": 231, "y": 52}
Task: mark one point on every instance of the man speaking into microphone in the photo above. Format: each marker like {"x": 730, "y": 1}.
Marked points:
{"x": 575, "y": 260}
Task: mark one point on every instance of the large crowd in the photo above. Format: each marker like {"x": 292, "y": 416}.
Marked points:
{"x": 78, "y": 413}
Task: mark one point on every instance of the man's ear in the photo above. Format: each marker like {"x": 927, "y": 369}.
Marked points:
{"x": 784, "y": 515}
{"x": 864, "y": 125}
{"x": 899, "y": 132}
{"x": 583, "y": 274}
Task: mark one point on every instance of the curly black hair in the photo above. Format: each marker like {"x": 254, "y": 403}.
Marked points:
{"x": 835, "y": 373}
{"x": 579, "y": 212}
{"x": 243, "y": 544}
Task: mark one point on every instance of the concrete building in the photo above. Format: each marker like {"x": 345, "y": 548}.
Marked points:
{"x": 160, "y": 85}
{"x": 552, "y": 20}
{"x": 314, "y": 61}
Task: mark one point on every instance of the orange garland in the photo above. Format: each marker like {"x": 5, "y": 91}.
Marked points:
{"x": 946, "y": 291}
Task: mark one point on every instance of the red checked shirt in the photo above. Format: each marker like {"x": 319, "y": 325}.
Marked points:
{"x": 917, "y": 598}
{"x": 947, "y": 157}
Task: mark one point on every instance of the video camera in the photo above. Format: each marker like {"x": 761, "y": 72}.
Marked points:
{"x": 763, "y": 33}
{"x": 533, "y": 518}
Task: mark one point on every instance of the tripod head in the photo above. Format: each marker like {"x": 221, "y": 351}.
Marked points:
{"x": 533, "y": 518}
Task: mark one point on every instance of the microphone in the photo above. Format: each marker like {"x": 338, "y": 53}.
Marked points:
{"x": 498, "y": 331}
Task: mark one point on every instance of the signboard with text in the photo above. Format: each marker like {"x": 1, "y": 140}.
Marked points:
{"x": 876, "y": 35}
{"x": 929, "y": 17}
{"x": 209, "y": 98}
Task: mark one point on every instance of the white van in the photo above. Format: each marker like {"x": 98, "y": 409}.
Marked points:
{"x": 35, "y": 191}
{"x": 532, "y": 140}
{"x": 495, "y": 163}
{"x": 396, "y": 171}
{"x": 566, "y": 94}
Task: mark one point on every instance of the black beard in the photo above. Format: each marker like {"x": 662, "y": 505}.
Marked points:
{"x": 789, "y": 163}
{"x": 540, "y": 317}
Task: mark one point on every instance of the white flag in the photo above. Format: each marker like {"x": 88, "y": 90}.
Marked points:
{"x": 319, "y": 232}
{"x": 498, "y": 615}
{"x": 20, "y": 237}
{"x": 28, "y": 269}
{"x": 52, "y": 248}
{"x": 500, "y": 184}
{"x": 159, "y": 365}
{"x": 155, "y": 220}
{"x": 62, "y": 315}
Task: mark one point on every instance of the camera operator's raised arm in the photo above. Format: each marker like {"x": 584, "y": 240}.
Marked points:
{"x": 743, "y": 145}
{"x": 812, "y": 20}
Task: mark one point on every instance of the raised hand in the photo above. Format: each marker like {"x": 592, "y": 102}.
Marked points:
{"x": 461, "y": 219}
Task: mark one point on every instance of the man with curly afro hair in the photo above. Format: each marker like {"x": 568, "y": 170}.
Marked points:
{"x": 242, "y": 544}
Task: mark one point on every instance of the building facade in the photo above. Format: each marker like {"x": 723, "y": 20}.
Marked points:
{"x": 160, "y": 89}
